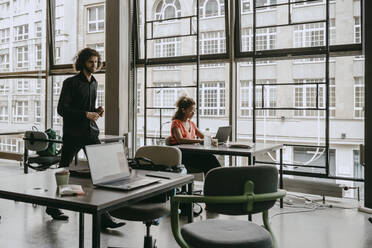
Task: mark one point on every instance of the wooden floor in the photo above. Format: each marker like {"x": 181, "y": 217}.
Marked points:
{"x": 23, "y": 225}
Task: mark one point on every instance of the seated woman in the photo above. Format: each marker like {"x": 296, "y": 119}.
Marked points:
{"x": 184, "y": 131}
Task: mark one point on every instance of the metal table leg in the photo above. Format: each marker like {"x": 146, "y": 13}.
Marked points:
{"x": 81, "y": 230}
{"x": 96, "y": 230}
{"x": 190, "y": 212}
{"x": 281, "y": 175}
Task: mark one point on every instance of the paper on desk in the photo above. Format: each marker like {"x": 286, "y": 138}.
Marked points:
{"x": 70, "y": 190}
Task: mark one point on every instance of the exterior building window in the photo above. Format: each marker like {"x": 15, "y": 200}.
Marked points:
{"x": 357, "y": 34}
{"x": 246, "y": 96}
{"x": 359, "y": 97}
{"x": 21, "y": 32}
{"x": 167, "y": 9}
{"x": 139, "y": 98}
{"x": 212, "y": 98}
{"x": 38, "y": 86}
{"x": 4, "y": 60}
{"x": 246, "y": 6}
{"x": 211, "y": 8}
{"x": 4, "y": 35}
{"x": 265, "y": 39}
{"x": 309, "y": 35}
{"x": 9, "y": 145}
{"x": 358, "y": 168}
{"x": 332, "y": 97}
{"x": 101, "y": 95}
{"x": 4, "y": 112}
{"x": 4, "y": 9}
{"x": 23, "y": 87}
{"x": 4, "y": 87}
{"x": 37, "y": 111}
{"x": 20, "y": 111}
{"x": 57, "y": 120}
{"x": 57, "y": 86}
{"x": 38, "y": 55}
{"x": 332, "y": 31}
{"x": 99, "y": 47}
{"x": 22, "y": 57}
{"x": 213, "y": 42}
{"x": 305, "y": 97}
{"x": 20, "y": 6}
{"x": 58, "y": 53}
{"x": 166, "y": 98}
{"x": 38, "y": 30}
{"x": 169, "y": 47}
{"x": 96, "y": 19}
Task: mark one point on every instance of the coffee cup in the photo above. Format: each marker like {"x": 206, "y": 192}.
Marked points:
{"x": 62, "y": 177}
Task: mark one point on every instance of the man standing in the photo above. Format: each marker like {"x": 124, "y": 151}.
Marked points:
{"x": 77, "y": 107}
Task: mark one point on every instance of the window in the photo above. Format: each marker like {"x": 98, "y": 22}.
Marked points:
{"x": 359, "y": 97}
{"x": 165, "y": 98}
{"x": 212, "y": 42}
{"x": 101, "y": 95}
{"x": 357, "y": 34}
{"x": 4, "y": 35}
{"x": 211, "y": 8}
{"x": 305, "y": 97}
{"x": 139, "y": 98}
{"x": 309, "y": 35}
{"x": 38, "y": 86}
{"x": 9, "y": 145}
{"x": 4, "y": 111}
{"x": 332, "y": 31}
{"x": 169, "y": 47}
{"x": 96, "y": 19}
{"x": 37, "y": 111}
{"x": 212, "y": 99}
{"x": 246, "y": 40}
{"x": 57, "y": 120}
{"x": 246, "y": 98}
{"x": 265, "y": 38}
{"x": 23, "y": 87}
{"x": 4, "y": 60}
{"x": 38, "y": 29}
{"x": 246, "y": 6}
{"x": 4, "y": 87}
{"x": 58, "y": 53}
{"x": 20, "y": 111}
{"x": 358, "y": 168}
{"x": 4, "y": 9}
{"x": 332, "y": 97}
{"x": 57, "y": 86}
{"x": 21, "y": 32}
{"x": 167, "y": 9}
{"x": 22, "y": 57}
{"x": 38, "y": 55}
{"x": 99, "y": 47}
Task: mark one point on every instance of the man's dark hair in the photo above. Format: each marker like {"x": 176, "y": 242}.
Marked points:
{"x": 183, "y": 103}
{"x": 83, "y": 57}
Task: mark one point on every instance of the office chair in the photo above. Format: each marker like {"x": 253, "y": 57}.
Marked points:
{"x": 38, "y": 141}
{"x": 150, "y": 212}
{"x": 231, "y": 191}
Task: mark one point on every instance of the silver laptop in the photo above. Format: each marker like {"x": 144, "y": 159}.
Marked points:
{"x": 223, "y": 134}
{"x": 109, "y": 167}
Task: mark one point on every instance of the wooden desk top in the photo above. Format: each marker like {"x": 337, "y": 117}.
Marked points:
{"x": 40, "y": 188}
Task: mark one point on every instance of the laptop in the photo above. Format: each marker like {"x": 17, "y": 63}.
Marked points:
{"x": 109, "y": 167}
{"x": 223, "y": 134}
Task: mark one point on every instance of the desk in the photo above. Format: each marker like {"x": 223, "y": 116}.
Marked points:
{"x": 40, "y": 188}
{"x": 256, "y": 149}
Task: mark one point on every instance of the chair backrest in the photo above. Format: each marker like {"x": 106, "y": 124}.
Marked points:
{"x": 36, "y": 145}
{"x": 229, "y": 181}
{"x": 161, "y": 155}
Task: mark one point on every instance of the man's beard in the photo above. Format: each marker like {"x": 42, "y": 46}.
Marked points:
{"x": 90, "y": 70}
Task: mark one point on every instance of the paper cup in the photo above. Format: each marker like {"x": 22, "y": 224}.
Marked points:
{"x": 62, "y": 177}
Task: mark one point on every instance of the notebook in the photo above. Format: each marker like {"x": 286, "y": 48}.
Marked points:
{"x": 109, "y": 167}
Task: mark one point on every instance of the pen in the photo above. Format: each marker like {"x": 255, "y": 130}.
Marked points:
{"x": 150, "y": 175}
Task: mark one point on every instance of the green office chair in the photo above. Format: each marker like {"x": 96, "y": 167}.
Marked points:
{"x": 231, "y": 191}
{"x": 151, "y": 212}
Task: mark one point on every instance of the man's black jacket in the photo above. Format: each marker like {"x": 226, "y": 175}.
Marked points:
{"x": 78, "y": 96}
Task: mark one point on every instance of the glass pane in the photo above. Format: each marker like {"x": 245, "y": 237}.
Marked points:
{"x": 100, "y": 101}
{"x": 22, "y": 36}
{"x": 77, "y": 25}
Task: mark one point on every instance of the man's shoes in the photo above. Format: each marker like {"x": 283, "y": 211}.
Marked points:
{"x": 108, "y": 222}
{"x": 56, "y": 214}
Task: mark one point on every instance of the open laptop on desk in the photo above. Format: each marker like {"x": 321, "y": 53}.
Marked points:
{"x": 223, "y": 134}
{"x": 109, "y": 168}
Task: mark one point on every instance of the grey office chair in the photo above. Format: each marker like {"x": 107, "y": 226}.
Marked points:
{"x": 150, "y": 213}
{"x": 38, "y": 141}
{"x": 231, "y": 191}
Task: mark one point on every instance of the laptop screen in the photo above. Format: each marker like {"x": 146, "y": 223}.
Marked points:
{"x": 107, "y": 162}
